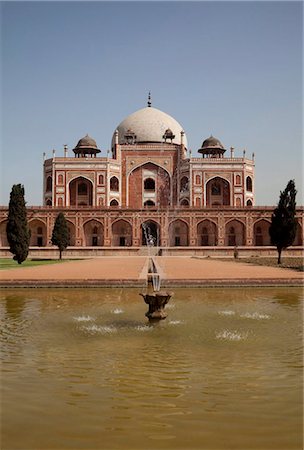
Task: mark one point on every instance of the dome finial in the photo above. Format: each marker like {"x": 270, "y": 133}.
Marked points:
{"x": 149, "y": 100}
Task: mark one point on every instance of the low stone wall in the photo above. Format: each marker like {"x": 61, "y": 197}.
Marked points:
{"x": 93, "y": 252}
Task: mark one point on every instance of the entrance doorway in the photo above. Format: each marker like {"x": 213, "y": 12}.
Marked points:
{"x": 122, "y": 241}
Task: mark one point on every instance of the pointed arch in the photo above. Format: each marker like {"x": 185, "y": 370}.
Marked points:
{"x": 81, "y": 191}
{"x": 38, "y": 233}
{"x": 261, "y": 232}
{"x": 218, "y": 192}
{"x": 235, "y": 233}
{"x": 93, "y": 232}
{"x": 72, "y": 233}
{"x": 178, "y": 233}
{"x": 121, "y": 233}
{"x": 207, "y": 233}
{"x": 150, "y": 233}
{"x": 3, "y": 235}
{"x": 137, "y": 195}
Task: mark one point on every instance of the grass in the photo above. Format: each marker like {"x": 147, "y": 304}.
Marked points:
{"x": 294, "y": 263}
{"x": 9, "y": 263}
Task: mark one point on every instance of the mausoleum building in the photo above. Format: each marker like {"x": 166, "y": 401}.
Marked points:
{"x": 149, "y": 189}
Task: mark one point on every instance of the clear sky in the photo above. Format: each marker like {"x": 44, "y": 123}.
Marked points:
{"x": 231, "y": 69}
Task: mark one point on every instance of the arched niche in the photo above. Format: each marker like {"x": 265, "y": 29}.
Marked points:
{"x": 93, "y": 233}
{"x": 234, "y": 233}
{"x": 261, "y": 233}
{"x": 49, "y": 183}
{"x": 184, "y": 202}
{"x": 149, "y": 204}
{"x": 178, "y": 233}
{"x": 3, "y": 235}
{"x": 184, "y": 184}
{"x": 38, "y": 233}
{"x": 218, "y": 192}
{"x": 206, "y": 233}
{"x": 299, "y": 236}
{"x": 121, "y": 233}
{"x": 114, "y": 202}
{"x": 150, "y": 233}
{"x": 72, "y": 233}
{"x": 114, "y": 184}
{"x": 138, "y": 195}
{"x": 249, "y": 184}
{"x": 81, "y": 192}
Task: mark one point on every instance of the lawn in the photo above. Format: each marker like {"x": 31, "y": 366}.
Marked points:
{"x": 9, "y": 263}
{"x": 294, "y": 263}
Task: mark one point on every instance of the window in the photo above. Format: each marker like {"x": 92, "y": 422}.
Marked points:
{"x": 177, "y": 241}
{"x": 184, "y": 185}
{"x": 215, "y": 189}
{"x": 249, "y": 184}
{"x": 122, "y": 241}
{"x": 114, "y": 184}
{"x": 82, "y": 189}
{"x": 249, "y": 203}
{"x": 184, "y": 202}
{"x": 149, "y": 203}
{"x": 197, "y": 179}
{"x": 49, "y": 183}
{"x": 114, "y": 203}
{"x": 149, "y": 184}
{"x": 101, "y": 179}
{"x": 238, "y": 179}
{"x": 60, "y": 179}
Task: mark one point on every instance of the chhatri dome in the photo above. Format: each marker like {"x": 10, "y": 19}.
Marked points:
{"x": 150, "y": 125}
{"x": 86, "y": 146}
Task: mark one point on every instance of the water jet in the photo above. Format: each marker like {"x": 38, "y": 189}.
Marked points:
{"x": 154, "y": 297}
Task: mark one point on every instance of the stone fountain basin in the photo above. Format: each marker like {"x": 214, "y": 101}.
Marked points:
{"x": 157, "y": 302}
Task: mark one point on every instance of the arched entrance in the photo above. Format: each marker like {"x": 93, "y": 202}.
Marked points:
{"x": 218, "y": 192}
{"x": 93, "y": 233}
{"x": 178, "y": 233}
{"x": 206, "y": 233}
{"x": 3, "y": 235}
{"x": 234, "y": 233}
{"x": 150, "y": 233}
{"x": 72, "y": 233}
{"x": 149, "y": 182}
{"x": 121, "y": 234}
{"x": 261, "y": 233}
{"x": 298, "y": 239}
{"x": 81, "y": 192}
{"x": 38, "y": 233}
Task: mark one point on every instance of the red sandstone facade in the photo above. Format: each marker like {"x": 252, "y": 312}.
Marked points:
{"x": 151, "y": 190}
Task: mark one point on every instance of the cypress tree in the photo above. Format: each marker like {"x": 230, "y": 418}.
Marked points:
{"x": 17, "y": 230}
{"x": 283, "y": 226}
{"x": 60, "y": 235}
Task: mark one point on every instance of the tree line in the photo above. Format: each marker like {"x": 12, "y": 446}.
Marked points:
{"x": 282, "y": 230}
{"x": 18, "y": 232}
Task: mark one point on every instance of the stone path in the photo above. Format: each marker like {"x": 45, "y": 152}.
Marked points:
{"x": 132, "y": 270}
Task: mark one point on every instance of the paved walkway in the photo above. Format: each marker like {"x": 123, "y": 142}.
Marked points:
{"x": 132, "y": 271}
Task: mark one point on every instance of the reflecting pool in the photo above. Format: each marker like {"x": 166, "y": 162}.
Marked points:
{"x": 83, "y": 369}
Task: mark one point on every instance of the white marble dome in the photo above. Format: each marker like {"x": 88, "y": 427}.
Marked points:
{"x": 149, "y": 125}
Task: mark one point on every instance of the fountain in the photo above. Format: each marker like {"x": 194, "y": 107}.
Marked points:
{"x": 154, "y": 297}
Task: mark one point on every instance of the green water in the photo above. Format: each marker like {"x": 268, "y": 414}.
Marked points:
{"x": 82, "y": 369}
